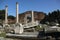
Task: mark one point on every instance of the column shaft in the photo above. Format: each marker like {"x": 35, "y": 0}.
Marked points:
{"x": 16, "y": 12}
{"x": 6, "y": 11}
{"x": 32, "y": 17}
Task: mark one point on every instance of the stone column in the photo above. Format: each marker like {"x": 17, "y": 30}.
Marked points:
{"x": 26, "y": 18}
{"x": 17, "y": 12}
{"x": 19, "y": 27}
{"x": 32, "y": 17}
{"x": 6, "y": 13}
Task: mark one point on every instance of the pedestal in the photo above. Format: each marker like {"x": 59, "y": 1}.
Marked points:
{"x": 18, "y": 28}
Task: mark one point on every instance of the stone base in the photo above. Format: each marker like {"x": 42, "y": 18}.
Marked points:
{"x": 18, "y": 28}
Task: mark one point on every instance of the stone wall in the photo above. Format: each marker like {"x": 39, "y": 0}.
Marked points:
{"x": 37, "y": 16}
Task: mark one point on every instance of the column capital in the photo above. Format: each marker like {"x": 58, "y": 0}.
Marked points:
{"x": 6, "y": 6}
{"x": 16, "y": 2}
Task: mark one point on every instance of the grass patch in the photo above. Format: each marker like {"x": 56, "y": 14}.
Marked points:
{"x": 3, "y": 34}
{"x": 38, "y": 28}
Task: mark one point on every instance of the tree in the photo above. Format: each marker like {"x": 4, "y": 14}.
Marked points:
{"x": 2, "y": 14}
{"x": 11, "y": 17}
{"x": 54, "y": 16}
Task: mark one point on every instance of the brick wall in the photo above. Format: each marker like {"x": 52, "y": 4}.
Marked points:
{"x": 37, "y": 16}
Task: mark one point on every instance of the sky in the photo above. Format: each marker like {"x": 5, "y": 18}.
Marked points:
{"x": 45, "y": 6}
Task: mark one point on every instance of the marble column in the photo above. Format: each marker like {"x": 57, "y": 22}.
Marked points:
{"x": 17, "y": 12}
{"x": 6, "y": 13}
{"x": 32, "y": 16}
{"x": 19, "y": 27}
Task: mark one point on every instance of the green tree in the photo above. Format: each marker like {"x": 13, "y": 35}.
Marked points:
{"x": 11, "y": 17}
{"x": 2, "y": 14}
{"x": 54, "y": 16}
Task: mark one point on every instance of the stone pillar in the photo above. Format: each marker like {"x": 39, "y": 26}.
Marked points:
{"x": 6, "y": 11}
{"x": 18, "y": 26}
{"x": 17, "y": 12}
{"x": 32, "y": 17}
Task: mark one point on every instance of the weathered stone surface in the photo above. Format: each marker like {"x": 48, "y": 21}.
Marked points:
{"x": 38, "y": 16}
